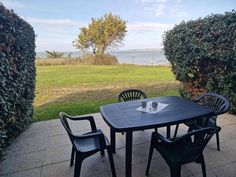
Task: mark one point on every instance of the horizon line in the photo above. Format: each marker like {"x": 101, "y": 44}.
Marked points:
{"x": 109, "y": 51}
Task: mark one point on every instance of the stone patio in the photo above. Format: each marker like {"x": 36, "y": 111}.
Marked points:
{"x": 43, "y": 150}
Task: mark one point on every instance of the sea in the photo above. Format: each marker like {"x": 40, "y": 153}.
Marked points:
{"x": 137, "y": 56}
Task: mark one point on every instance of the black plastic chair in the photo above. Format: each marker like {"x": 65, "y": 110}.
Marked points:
{"x": 132, "y": 94}
{"x": 182, "y": 150}
{"x": 86, "y": 144}
{"x": 215, "y": 101}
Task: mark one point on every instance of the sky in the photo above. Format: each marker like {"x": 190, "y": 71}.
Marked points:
{"x": 58, "y": 22}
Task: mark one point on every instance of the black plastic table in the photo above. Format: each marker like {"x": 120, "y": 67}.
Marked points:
{"x": 123, "y": 117}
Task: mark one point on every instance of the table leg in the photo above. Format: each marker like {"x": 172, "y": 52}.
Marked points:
{"x": 168, "y": 131}
{"x": 113, "y": 140}
{"x": 128, "y": 153}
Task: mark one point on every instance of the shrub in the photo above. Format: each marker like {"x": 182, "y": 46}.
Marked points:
{"x": 53, "y": 54}
{"x": 17, "y": 75}
{"x": 105, "y": 59}
{"x": 203, "y": 55}
{"x": 57, "y": 61}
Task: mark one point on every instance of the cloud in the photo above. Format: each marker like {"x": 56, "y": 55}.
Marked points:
{"x": 139, "y": 26}
{"x": 161, "y": 7}
{"x": 157, "y": 6}
{"x": 146, "y": 1}
{"x": 54, "y": 34}
{"x": 160, "y": 1}
{"x": 53, "y": 22}
{"x": 12, "y": 4}
{"x": 178, "y": 1}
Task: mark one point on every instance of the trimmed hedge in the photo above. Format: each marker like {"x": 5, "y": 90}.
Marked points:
{"x": 203, "y": 55}
{"x": 17, "y": 75}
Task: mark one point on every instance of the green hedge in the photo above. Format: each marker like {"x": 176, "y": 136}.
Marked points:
{"x": 17, "y": 75}
{"x": 203, "y": 55}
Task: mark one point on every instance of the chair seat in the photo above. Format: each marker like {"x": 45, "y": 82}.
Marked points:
{"x": 88, "y": 144}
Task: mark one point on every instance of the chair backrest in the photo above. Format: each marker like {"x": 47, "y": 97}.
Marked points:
{"x": 193, "y": 143}
{"x": 63, "y": 117}
{"x": 131, "y": 94}
{"x": 214, "y": 101}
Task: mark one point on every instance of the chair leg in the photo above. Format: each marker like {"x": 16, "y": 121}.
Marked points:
{"x": 176, "y": 130}
{"x": 78, "y": 164}
{"x": 149, "y": 159}
{"x": 218, "y": 141}
{"x": 202, "y": 161}
{"x": 113, "y": 170}
{"x": 168, "y": 133}
{"x": 72, "y": 156}
{"x": 102, "y": 152}
{"x": 175, "y": 171}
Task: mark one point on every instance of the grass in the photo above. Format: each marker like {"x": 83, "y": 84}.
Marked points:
{"x": 81, "y": 89}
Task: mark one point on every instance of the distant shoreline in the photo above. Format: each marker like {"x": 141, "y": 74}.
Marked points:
{"x": 125, "y": 50}
{"x": 135, "y": 56}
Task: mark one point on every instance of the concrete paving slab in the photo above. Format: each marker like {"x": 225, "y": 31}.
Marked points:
{"x": 35, "y": 172}
{"x": 22, "y": 162}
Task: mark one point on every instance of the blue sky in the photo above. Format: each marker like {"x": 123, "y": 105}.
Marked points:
{"x": 57, "y": 23}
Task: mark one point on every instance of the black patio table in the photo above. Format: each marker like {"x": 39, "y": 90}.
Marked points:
{"x": 123, "y": 117}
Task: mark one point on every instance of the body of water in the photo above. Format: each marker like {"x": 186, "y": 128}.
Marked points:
{"x": 141, "y": 57}
{"x": 138, "y": 57}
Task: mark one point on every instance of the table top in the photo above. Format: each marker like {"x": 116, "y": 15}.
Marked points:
{"x": 123, "y": 116}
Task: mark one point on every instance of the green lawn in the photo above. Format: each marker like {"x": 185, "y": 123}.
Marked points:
{"x": 81, "y": 89}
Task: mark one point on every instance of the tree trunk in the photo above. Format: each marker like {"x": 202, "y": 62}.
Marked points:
{"x": 103, "y": 49}
{"x": 94, "y": 51}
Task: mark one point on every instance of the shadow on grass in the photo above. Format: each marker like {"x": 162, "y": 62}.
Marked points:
{"x": 89, "y": 101}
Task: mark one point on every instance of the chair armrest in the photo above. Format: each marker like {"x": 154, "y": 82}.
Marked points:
{"x": 98, "y": 134}
{"x": 89, "y": 118}
{"x": 89, "y": 135}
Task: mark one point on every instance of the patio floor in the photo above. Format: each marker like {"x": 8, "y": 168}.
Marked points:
{"x": 43, "y": 150}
